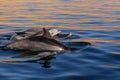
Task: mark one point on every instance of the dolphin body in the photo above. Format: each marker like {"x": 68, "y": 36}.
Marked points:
{"x": 38, "y": 43}
{"x": 54, "y": 33}
{"x": 33, "y": 32}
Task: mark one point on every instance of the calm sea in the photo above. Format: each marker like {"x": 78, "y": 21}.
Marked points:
{"x": 93, "y": 21}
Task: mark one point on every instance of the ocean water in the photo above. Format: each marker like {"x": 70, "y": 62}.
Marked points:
{"x": 91, "y": 21}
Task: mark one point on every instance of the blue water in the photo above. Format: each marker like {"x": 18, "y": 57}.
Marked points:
{"x": 95, "y": 22}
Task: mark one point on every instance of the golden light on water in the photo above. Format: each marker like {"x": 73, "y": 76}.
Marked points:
{"x": 74, "y": 15}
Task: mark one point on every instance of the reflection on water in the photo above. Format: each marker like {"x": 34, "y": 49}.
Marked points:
{"x": 96, "y": 22}
{"x": 31, "y": 57}
{"x": 35, "y": 57}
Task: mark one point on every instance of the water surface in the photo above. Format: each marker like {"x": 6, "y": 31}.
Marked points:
{"x": 95, "y": 21}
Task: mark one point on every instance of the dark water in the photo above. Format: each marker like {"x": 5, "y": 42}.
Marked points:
{"x": 96, "y": 22}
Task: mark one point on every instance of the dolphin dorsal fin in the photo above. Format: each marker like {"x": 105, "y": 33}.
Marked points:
{"x": 46, "y": 33}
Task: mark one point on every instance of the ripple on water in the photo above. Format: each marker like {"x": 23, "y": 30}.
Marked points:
{"x": 93, "y": 21}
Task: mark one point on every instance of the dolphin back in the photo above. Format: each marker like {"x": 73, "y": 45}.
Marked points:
{"x": 39, "y": 43}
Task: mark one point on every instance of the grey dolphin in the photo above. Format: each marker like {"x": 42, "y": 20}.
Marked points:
{"x": 33, "y": 31}
{"x": 54, "y": 33}
{"x": 38, "y": 43}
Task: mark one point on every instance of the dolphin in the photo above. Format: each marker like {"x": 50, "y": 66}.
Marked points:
{"x": 33, "y": 31}
{"x": 38, "y": 43}
{"x": 54, "y": 33}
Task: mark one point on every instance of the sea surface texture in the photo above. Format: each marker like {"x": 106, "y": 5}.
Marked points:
{"x": 90, "y": 21}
